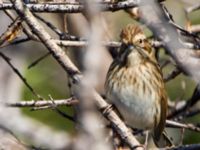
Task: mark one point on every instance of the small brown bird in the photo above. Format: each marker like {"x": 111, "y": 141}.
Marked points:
{"x": 134, "y": 84}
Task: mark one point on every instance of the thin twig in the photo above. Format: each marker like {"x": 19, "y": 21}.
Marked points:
{"x": 26, "y": 31}
{"x": 191, "y": 102}
{"x": 82, "y": 43}
{"x": 187, "y": 113}
{"x": 195, "y": 28}
{"x": 7, "y": 59}
{"x": 114, "y": 44}
{"x": 186, "y": 147}
{"x": 50, "y": 25}
{"x": 171, "y": 21}
{"x": 69, "y": 43}
{"x": 18, "y": 140}
{"x": 34, "y": 63}
{"x": 15, "y": 42}
{"x": 193, "y": 8}
{"x": 158, "y": 22}
{"x": 174, "y": 124}
{"x": 11, "y": 32}
{"x": 62, "y": 35}
{"x": 174, "y": 73}
{"x": 184, "y": 32}
{"x": 11, "y": 133}
{"x": 63, "y": 114}
{"x": 41, "y": 108}
{"x": 165, "y": 63}
{"x": 41, "y": 103}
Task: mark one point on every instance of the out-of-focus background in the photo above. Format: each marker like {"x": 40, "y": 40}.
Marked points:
{"x": 48, "y": 78}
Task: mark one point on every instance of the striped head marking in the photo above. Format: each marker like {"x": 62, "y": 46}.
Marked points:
{"x": 133, "y": 34}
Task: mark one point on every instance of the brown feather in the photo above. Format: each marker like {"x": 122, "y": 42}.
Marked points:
{"x": 136, "y": 70}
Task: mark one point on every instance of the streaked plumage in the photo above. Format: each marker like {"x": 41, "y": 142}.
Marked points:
{"x": 134, "y": 83}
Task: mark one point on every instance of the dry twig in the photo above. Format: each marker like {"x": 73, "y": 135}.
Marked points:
{"x": 72, "y": 70}
{"x": 7, "y": 59}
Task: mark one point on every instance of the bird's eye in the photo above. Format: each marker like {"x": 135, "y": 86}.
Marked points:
{"x": 140, "y": 41}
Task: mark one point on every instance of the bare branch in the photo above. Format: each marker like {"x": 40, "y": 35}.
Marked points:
{"x": 195, "y": 28}
{"x": 50, "y": 25}
{"x": 158, "y": 22}
{"x": 187, "y": 114}
{"x": 15, "y": 42}
{"x": 29, "y": 34}
{"x": 186, "y": 147}
{"x": 173, "y": 124}
{"x": 174, "y": 73}
{"x": 34, "y": 63}
{"x": 7, "y": 59}
{"x": 193, "y": 8}
{"x": 72, "y": 8}
{"x": 40, "y": 103}
{"x": 72, "y": 71}
{"x": 113, "y": 44}
{"x": 188, "y": 104}
{"x": 11, "y": 32}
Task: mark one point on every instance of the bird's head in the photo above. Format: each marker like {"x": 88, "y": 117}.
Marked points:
{"x": 133, "y": 35}
{"x": 135, "y": 44}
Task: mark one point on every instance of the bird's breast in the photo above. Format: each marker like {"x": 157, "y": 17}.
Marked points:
{"x": 135, "y": 95}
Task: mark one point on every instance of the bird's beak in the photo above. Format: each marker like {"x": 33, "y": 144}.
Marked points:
{"x": 131, "y": 47}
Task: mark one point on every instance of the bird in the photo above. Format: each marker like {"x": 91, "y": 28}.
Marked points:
{"x": 135, "y": 86}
